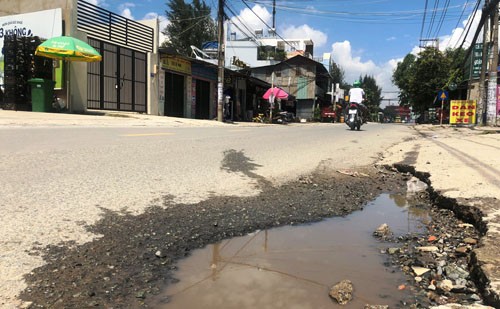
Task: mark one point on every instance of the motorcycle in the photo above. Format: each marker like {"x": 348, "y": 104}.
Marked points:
{"x": 354, "y": 117}
{"x": 283, "y": 118}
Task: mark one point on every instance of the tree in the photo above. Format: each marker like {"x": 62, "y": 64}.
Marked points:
{"x": 401, "y": 77}
{"x": 338, "y": 74}
{"x": 373, "y": 93}
{"x": 429, "y": 76}
{"x": 190, "y": 24}
{"x": 419, "y": 78}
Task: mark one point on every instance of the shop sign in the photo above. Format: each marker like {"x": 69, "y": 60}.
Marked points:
{"x": 463, "y": 111}
{"x": 477, "y": 60}
{"x": 176, "y": 64}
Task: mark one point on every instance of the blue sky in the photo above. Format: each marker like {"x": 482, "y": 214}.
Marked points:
{"x": 364, "y": 36}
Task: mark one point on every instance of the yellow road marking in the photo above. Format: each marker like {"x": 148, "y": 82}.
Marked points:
{"x": 239, "y": 130}
{"x": 148, "y": 134}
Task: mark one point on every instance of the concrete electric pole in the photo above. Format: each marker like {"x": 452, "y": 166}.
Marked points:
{"x": 221, "y": 55}
{"x": 491, "y": 104}
{"x": 482, "y": 78}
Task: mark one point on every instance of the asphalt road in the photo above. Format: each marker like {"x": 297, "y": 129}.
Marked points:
{"x": 97, "y": 165}
{"x": 56, "y": 179}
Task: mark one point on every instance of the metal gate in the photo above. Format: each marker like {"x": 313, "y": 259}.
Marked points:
{"x": 119, "y": 81}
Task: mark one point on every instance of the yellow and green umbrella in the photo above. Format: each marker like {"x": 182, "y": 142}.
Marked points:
{"x": 68, "y": 48}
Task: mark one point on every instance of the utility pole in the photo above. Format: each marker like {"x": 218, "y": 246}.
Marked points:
{"x": 221, "y": 55}
{"x": 491, "y": 104}
{"x": 482, "y": 92}
{"x": 274, "y": 15}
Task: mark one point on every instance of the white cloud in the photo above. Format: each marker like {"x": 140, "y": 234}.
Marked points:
{"x": 96, "y": 2}
{"x": 150, "y": 15}
{"x": 392, "y": 38}
{"x": 127, "y": 13}
{"x": 354, "y": 67}
{"x": 251, "y": 20}
{"x": 125, "y": 10}
{"x": 305, "y": 32}
{"x": 163, "y": 24}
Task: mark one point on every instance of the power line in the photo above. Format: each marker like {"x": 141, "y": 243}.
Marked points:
{"x": 441, "y": 20}
{"x": 288, "y": 43}
{"x": 433, "y": 17}
{"x": 250, "y": 32}
{"x": 423, "y": 20}
{"x": 467, "y": 26}
{"x": 381, "y": 17}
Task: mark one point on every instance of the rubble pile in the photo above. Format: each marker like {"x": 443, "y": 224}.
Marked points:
{"x": 437, "y": 260}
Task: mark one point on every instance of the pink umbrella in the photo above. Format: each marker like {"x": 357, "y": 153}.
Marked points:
{"x": 277, "y": 92}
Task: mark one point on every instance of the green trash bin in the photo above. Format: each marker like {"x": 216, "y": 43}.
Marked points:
{"x": 42, "y": 94}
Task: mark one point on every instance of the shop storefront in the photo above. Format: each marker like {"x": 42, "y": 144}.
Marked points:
{"x": 203, "y": 96}
{"x": 20, "y": 34}
{"x": 177, "y": 72}
{"x": 126, "y": 79}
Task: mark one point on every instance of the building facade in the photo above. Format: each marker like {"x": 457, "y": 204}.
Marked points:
{"x": 124, "y": 80}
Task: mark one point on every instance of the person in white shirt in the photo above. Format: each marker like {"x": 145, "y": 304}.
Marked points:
{"x": 357, "y": 95}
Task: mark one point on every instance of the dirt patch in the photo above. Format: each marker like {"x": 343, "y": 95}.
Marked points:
{"x": 134, "y": 256}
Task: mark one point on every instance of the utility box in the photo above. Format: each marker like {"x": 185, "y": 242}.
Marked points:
{"x": 42, "y": 93}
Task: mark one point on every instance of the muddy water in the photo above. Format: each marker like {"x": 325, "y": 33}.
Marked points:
{"x": 293, "y": 267}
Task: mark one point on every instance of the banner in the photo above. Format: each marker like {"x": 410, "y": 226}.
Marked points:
{"x": 44, "y": 24}
{"x": 463, "y": 111}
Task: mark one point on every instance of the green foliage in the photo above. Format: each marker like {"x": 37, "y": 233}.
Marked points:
{"x": 419, "y": 78}
{"x": 190, "y": 24}
{"x": 338, "y": 75}
{"x": 373, "y": 93}
{"x": 270, "y": 52}
{"x": 401, "y": 77}
{"x": 317, "y": 113}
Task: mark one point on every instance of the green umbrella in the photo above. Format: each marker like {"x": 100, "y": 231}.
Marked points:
{"x": 68, "y": 48}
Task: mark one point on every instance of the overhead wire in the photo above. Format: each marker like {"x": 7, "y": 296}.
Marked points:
{"x": 423, "y": 20}
{"x": 433, "y": 18}
{"x": 250, "y": 33}
{"x": 468, "y": 24}
{"x": 356, "y": 16}
{"x": 285, "y": 41}
{"x": 470, "y": 21}
{"x": 441, "y": 19}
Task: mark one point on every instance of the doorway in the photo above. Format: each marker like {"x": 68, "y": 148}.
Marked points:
{"x": 174, "y": 94}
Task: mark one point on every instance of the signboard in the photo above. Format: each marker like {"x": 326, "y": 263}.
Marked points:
{"x": 44, "y": 24}
{"x": 477, "y": 60}
{"x": 443, "y": 95}
{"x": 176, "y": 64}
{"x": 463, "y": 111}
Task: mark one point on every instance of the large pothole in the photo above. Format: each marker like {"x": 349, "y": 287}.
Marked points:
{"x": 135, "y": 257}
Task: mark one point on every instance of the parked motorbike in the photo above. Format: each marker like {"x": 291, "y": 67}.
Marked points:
{"x": 354, "y": 116}
{"x": 283, "y": 118}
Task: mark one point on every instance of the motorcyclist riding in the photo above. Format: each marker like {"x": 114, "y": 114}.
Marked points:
{"x": 357, "y": 95}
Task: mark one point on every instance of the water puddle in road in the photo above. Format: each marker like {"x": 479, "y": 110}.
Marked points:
{"x": 294, "y": 266}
